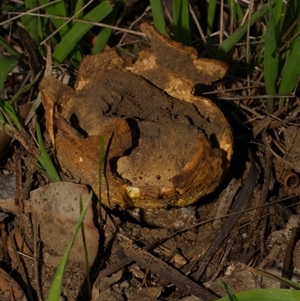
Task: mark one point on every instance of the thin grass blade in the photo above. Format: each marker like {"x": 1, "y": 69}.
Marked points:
{"x": 69, "y": 41}
{"x": 231, "y": 41}
{"x": 158, "y": 17}
{"x": 44, "y": 158}
{"x": 181, "y": 23}
{"x": 10, "y": 111}
{"x": 105, "y": 33}
{"x": 291, "y": 70}
{"x": 270, "y": 54}
{"x": 238, "y": 13}
{"x": 271, "y": 59}
{"x": 26, "y": 87}
{"x": 31, "y": 22}
{"x": 8, "y": 48}
{"x": 86, "y": 255}
{"x": 211, "y": 12}
{"x": 58, "y": 9}
{"x": 56, "y": 284}
{"x": 78, "y": 7}
{"x": 278, "y": 16}
{"x": 7, "y": 64}
{"x": 75, "y": 58}
{"x": 227, "y": 289}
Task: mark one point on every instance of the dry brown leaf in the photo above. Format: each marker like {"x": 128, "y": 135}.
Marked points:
{"x": 55, "y": 208}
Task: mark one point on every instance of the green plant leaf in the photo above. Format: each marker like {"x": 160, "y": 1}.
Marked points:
{"x": 238, "y": 12}
{"x": 278, "y": 16}
{"x": 10, "y": 111}
{"x": 86, "y": 255}
{"x": 58, "y": 9}
{"x": 56, "y": 284}
{"x": 47, "y": 166}
{"x": 271, "y": 59}
{"x": 105, "y": 33}
{"x": 26, "y": 87}
{"x": 231, "y": 41}
{"x": 226, "y": 287}
{"x": 31, "y": 22}
{"x": 75, "y": 34}
{"x": 181, "y": 22}
{"x": 291, "y": 69}
{"x": 78, "y": 7}
{"x": 8, "y": 48}
{"x": 158, "y": 17}
{"x": 210, "y": 17}
{"x": 7, "y": 64}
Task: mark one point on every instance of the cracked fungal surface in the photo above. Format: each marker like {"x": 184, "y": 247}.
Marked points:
{"x": 161, "y": 149}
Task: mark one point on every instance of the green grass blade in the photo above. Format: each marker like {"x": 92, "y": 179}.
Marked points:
{"x": 26, "y": 87}
{"x": 8, "y": 48}
{"x": 291, "y": 70}
{"x": 181, "y": 23}
{"x": 271, "y": 59}
{"x": 10, "y": 111}
{"x": 86, "y": 255}
{"x": 44, "y": 158}
{"x": 238, "y": 13}
{"x": 236, "y": 10}
{"x": 266, "y": 295}
{"x": 58, "y": 9}
{"x": 278, "y": 16}
{"x": 75, "y": 34}
{"x": 56, "y": 284}
{"x": 295, "y": 6}
{"x": 40, "y": 31}
{"x": 105, "y": 33}
{"x": 102, "y": 37}
{"x": 7, "y": 64}
{"x": 231, "y": 41}
{"x": 158, "y": 17}
{"x": 31, "y": 22}
{"x": 226, "y": 287}
{"x": 75, "y": 58}
{"x": 210, "y": 17}
{"x": 2, "y": 120}
{"x": 270, "y": 55}
{"x": 79, "y": 5}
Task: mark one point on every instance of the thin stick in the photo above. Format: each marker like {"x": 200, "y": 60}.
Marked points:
{"x": 28, "y": 12}
{"x": 137, "y": 33}
{"x": 222, "y": 22}
{"x": 203, "y": 38}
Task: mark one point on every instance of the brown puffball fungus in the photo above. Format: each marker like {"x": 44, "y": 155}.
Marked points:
{"x": 163, "y": 146}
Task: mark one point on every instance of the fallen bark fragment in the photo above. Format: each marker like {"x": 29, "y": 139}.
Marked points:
{"x": 165, "y": 271}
